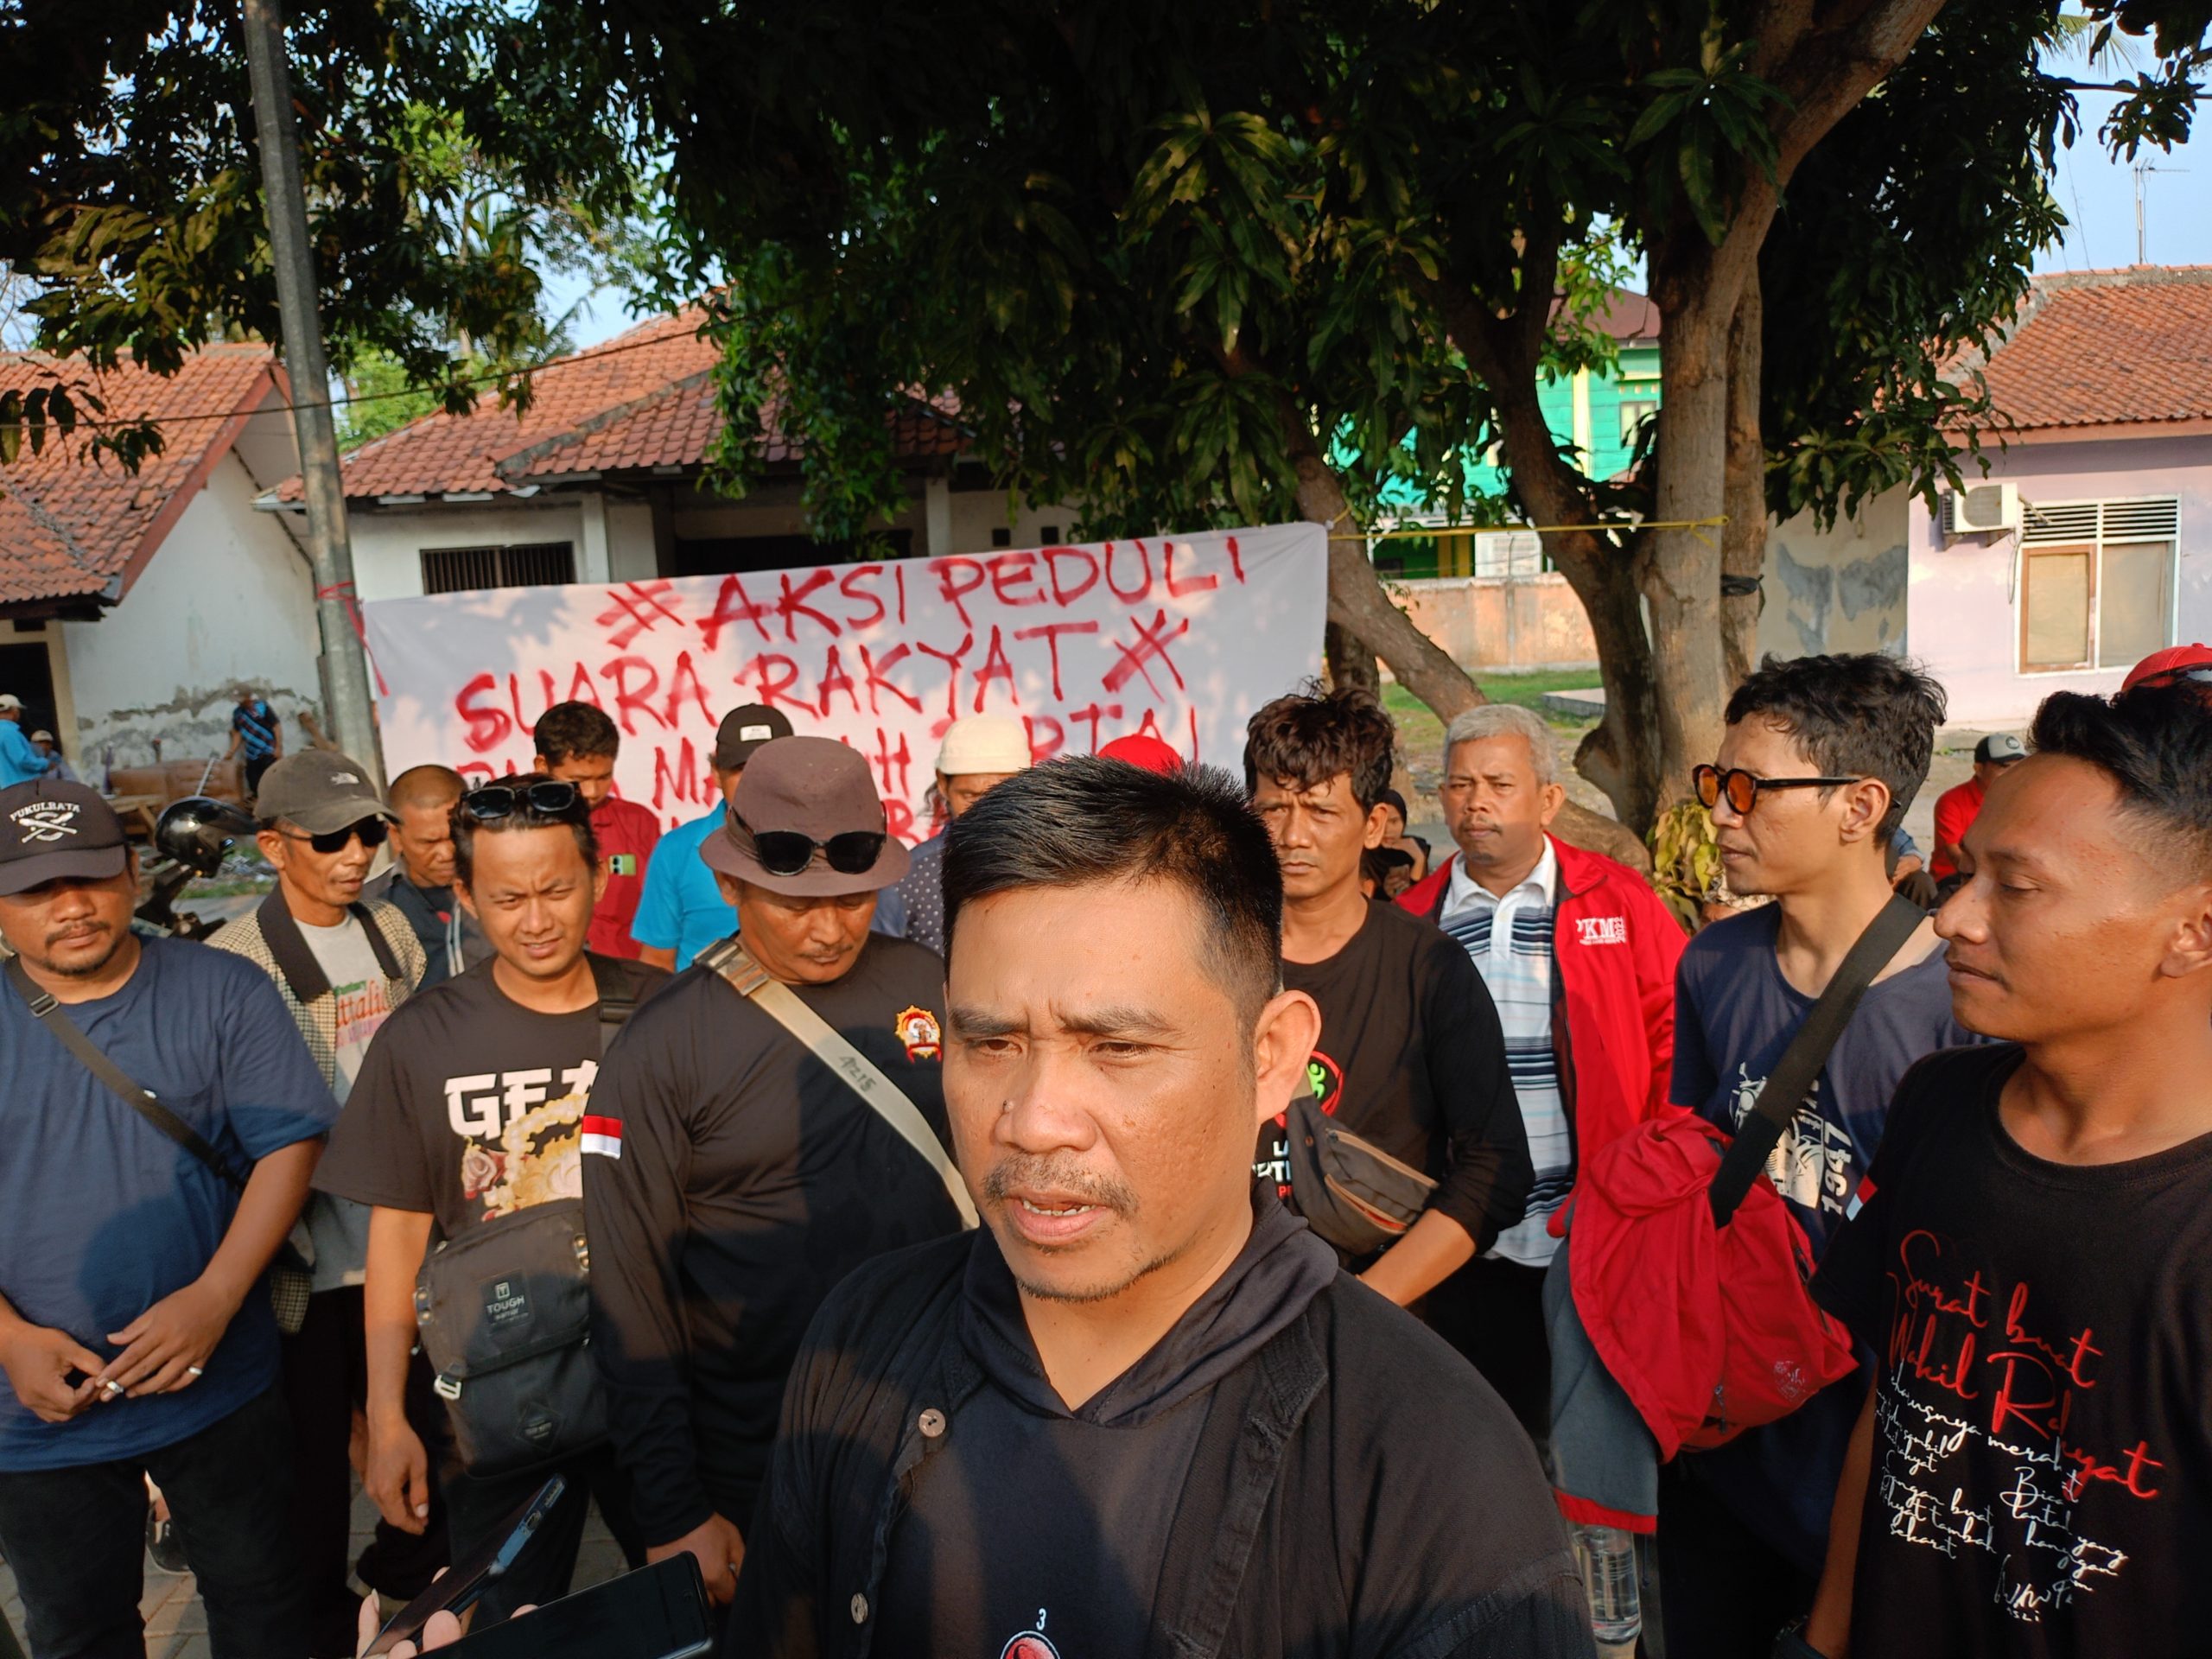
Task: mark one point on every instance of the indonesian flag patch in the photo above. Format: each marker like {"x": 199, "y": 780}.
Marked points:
{"x": 917, "y": 1031}
{"x": 603, "y": 1135}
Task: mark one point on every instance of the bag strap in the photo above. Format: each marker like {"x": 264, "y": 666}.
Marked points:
{"x": 729, "y": 958}
{"x": 618, "y": 1001}
{"x": 48, "y": 1013}
{"x": 1793, "y": 1076}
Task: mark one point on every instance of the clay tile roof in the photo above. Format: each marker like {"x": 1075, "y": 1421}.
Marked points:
{"x": 74, "y": 523}
{"x": 644, "y": 400}
{"x": 2108, "y": 347}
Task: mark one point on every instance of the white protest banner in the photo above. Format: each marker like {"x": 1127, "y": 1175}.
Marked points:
{"x": 1180, "y": 636}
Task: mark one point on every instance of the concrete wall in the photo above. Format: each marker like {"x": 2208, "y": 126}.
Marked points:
{"x": 1966, "y": 621}
{"x": 227, "y": 597}
{"x": 1491, "y": 622}
{"x": 388, "y": 542}
{"x": 1838, "y": 590}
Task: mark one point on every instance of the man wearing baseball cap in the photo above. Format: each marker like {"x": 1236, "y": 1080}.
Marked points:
{"x": 977, "y": 754}
{"x": 1956, "y": 808}
{"x": 340, "y": 964}
{"x": 731, "y": 1178}
{"x": 20, "y": 760}
{"x": 135, "y": 1335}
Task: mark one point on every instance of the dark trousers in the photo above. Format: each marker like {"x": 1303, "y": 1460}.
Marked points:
{"x": 77, "y": 1541}
{"x": 1493, "y": 1311}
{"x": 326, "y": 1377}
{"x": 255, "y": 770}
{"x": 1725, "y": 1590}
{"x": 477, "y": 1506}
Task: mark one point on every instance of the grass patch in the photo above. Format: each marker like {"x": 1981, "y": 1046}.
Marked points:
{"x": 1524, "y": 689}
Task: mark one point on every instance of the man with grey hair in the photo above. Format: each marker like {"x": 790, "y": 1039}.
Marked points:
{"x": 1578, "y": 955}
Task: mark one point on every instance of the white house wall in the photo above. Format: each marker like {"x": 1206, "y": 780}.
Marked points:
{"x": 227, "y": 597}
{"x": 388, "y": 542}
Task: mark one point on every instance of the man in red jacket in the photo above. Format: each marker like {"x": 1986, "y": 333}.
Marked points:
{"x": 577, "y": 744}
{"x": 1578, "y": 955}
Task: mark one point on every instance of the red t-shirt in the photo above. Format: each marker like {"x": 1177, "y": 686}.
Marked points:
{"x": 1956, "y": 809}
{"x": 626, "y": 833}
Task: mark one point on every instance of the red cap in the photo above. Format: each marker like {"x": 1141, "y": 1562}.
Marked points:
{"x": 1140, "y": 749}
{"x": 2171, "y": 660}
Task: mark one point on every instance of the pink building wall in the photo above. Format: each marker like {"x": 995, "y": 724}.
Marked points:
{"x": 1962, "y": 610}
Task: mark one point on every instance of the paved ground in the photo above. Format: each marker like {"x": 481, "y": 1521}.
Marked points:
{"x": 176, "y": 1623}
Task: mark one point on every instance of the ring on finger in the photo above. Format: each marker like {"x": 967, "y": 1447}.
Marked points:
{"x": 194, "y": 1370}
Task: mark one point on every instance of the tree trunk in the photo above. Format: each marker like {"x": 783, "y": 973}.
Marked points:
{"x": 1742, "y": 539}
{"x": 1618, "y": 755}
{"x": 1351, "y": 664}
{"x": 1357, "y": 605}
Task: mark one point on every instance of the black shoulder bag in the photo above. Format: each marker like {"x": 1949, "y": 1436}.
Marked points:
{"x": 1791, "y": 1080}
{"x": 289, "y": 1279}
{"x": 505, "y": 1315}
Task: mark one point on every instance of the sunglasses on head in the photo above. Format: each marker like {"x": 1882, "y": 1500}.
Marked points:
{"x": 493, "y": 802}
{"x": 786, "y": 852}
{"x": 371, "y": 832}
{"x": 1743, "y": 789}
{"x": 2174, "y": 676}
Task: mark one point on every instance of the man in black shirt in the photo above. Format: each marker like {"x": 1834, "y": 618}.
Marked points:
{"x": 419, "y": 884}
{"x": 1411, "y": 1058}
{"x": 2032, "y": 1261}
{"x": 470, "y": 1107}
{"x": 1143, "y": 1411}
{"x": 736, "y": 1177}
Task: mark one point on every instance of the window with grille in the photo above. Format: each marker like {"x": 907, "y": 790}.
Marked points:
{"x": 525, "y": 564}
{"x": 2096, "y": 582}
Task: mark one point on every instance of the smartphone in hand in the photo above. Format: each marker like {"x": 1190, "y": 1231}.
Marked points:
{"x": 659, "y": 1611}
{"x": 460, "y": 1588}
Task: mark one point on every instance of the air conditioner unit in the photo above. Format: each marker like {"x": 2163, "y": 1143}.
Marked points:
{"x": 1982, "y": 509}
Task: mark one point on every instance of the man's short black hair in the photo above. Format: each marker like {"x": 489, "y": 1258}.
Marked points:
{"x": 2155, "y": 743}
{"x": 568, "y": 729}
{"x": 466, "y": 826}
{"x": 1865, "y": 715}
{"x": 1305, "y": 739}
{"x": 1083, "y": 820}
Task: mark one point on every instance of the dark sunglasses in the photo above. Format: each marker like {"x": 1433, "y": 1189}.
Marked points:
{"x": 372, "y": 832}
{"x": 786, "y": 852}
{"x": 1743, "y": 789}
{"x": 493, "y": 802}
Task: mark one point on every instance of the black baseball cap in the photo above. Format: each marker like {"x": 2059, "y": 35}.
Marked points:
{"x": 745, "y": 729}
{"x": 2002, "y": 748}
{"x": 53, "y": 829}
{"x": 321, "y": 791}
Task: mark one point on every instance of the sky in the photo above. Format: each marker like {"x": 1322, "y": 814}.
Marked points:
{"x": 2096, "y": 193}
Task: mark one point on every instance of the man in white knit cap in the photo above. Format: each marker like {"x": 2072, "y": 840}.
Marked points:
{"x": 978, "y": 754}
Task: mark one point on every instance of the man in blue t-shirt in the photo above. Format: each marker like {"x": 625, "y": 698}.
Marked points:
{"x": 21, "y": 759}
{"x": 1820, "y": 758}
{"x": 255, "y": 730}
{"x": 136, "y": 1330}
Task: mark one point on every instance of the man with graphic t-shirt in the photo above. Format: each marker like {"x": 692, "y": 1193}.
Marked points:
{"x": 134, "y": 1325}
{"x": 1820, "y": 757}
{"x": 1141, "y": 1410}
{"x": 577, "y": 744}
{"x": 341, "y": 966}
{"x": 732, "y": 1177}
{"x": 2032, "y": 1262}
{"x": 471, "y": 1108}
{"x": 1411, "y": 1058}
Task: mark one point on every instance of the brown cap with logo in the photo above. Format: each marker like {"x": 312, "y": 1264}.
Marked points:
{"x": 321, "y": 791}
{"x": 48, "y": 831}
{"x": 811, "y": 786}
{"x": 743, "y": 730}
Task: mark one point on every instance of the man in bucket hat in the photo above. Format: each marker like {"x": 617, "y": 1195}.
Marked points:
{"x": 731, "y": 1176}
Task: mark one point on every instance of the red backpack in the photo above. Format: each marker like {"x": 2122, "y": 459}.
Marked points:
{"x": 1689, "y": 1272}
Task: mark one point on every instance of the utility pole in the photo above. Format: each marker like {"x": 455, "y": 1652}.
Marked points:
{"x": 345, "y": 665}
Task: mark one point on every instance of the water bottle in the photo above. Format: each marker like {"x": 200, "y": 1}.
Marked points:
{"x": 1607, "y": 1557}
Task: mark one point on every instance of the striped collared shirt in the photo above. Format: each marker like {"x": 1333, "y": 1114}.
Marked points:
{"x": 1511, "y": 942}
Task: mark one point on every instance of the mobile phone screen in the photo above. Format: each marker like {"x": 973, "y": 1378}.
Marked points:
{"x": 656, "y": 1612}
{"x": 457, "y": 1590}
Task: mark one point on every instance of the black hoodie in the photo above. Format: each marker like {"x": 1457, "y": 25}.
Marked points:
{"x": 1029, "y": 1489}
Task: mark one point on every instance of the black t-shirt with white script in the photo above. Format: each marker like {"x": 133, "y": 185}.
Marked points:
{"x": 2040, "y": 1484}
{"x": 470, "y": 1106}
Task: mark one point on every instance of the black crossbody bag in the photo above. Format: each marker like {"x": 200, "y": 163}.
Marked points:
{"x": 289, "y": 1276}
{"x": 504, "y": 1314}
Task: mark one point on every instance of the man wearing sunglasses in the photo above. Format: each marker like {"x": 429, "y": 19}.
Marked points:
{"x": 732, "y": 1178}
{"x": 1820, "y": 758}
{"x": 341, "y": 964}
